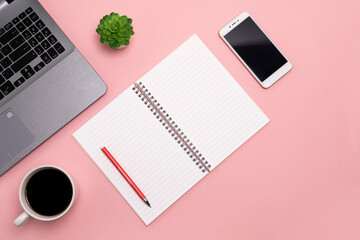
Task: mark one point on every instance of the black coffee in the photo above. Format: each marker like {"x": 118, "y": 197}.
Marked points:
{"x": 49, "y": 192}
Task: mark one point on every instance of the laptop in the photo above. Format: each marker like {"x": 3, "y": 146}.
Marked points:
{"x": 44, "y": 80}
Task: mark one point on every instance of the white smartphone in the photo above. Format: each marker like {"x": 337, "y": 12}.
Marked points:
{"x": 255, "y": 50}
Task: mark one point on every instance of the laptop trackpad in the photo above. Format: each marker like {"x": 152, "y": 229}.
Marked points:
{"x": 14, "y": 136}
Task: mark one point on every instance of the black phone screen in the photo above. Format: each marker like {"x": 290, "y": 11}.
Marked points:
{"x": 257, "y": 51}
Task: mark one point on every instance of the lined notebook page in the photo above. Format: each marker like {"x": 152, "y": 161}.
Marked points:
{"x": 150, "y": 156}
{"x": 206, "y": 102}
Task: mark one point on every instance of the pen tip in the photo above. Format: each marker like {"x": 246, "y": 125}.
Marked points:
{"x": 147, "y": 202}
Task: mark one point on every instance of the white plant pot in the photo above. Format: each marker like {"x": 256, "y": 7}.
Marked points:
{"x": 122, "y": 47}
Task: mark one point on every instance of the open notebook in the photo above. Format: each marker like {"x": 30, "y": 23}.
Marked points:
{"x": 172, "y": 127}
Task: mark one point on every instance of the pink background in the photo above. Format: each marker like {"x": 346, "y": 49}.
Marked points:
{"x": 297, "y": 179}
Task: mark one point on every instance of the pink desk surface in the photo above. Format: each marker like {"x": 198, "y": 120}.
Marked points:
{"x": 297, "y": 179}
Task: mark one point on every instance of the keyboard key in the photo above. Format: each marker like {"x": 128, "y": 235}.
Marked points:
{"x": 40, "y": 24}
{"x": 39, "y": 66}
{"x": 22, "y": 15}
{"x": 9, "y": 35}
{"x": 1, "y": 96}
{"x": 18, "y": 53}
{"x": 1, "y": 31}
{"x": 27, "y": 72}
{"x": 26, "y": 34}
{"x": 39, "y": 37}
{"x": 1, "y": 68}
{"x": 27, "y": 22}
{"x": 7, "y": 88}
{"x": 6, "y": 50}
{"x": 20, "y": 26}
{"x": 8, "y": 73}
{"x": 33, "y": 42}
{"x": 46, "y": 58}
{"x": 34, "y": 17}
{"x": 17, "y": 41}
{"x": 53, "y": 54}
{"x": 25, "y": 60}
{"x": 59, "y": 48}
{"x": 45, "y": 44}
{"x": 8, "y": 26}
{"x": 33, "y": 29}
{"x": 39, "y": 50}
{"x": 29, "y": 10}
{"x": 15, "y": 20}
{"x": 19, "y": 82}
{"x": 2, "y": 79}
{"x": 52, "y": 39}
{"x": 46, "y": 32}
{"x": 5, "y": 62}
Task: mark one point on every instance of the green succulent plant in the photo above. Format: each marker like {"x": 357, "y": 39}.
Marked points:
{"x": 115, "y": 30}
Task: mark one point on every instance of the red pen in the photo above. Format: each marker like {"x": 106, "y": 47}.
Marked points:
{"x": 124, "y": 174}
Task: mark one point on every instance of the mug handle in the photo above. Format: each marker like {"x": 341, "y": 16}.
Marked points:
{"x": 20, "y": 220}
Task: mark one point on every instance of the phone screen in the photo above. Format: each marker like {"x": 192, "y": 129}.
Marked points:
{"x": 257, "y": 51}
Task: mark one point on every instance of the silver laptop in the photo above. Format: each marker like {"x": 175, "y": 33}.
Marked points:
{"x": 44, "y": 80}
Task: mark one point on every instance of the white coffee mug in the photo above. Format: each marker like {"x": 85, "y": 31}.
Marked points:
{"x": 29, "y": 212}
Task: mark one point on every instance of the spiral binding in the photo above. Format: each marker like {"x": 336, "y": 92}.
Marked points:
{"x": 171, "y": 126}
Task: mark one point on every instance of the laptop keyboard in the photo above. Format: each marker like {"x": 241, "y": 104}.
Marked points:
{"x": 21, "y": 41}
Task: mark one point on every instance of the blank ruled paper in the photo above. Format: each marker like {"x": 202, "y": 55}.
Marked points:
{"x": 207, "y": 104}
{"x": 205, "y": 100}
